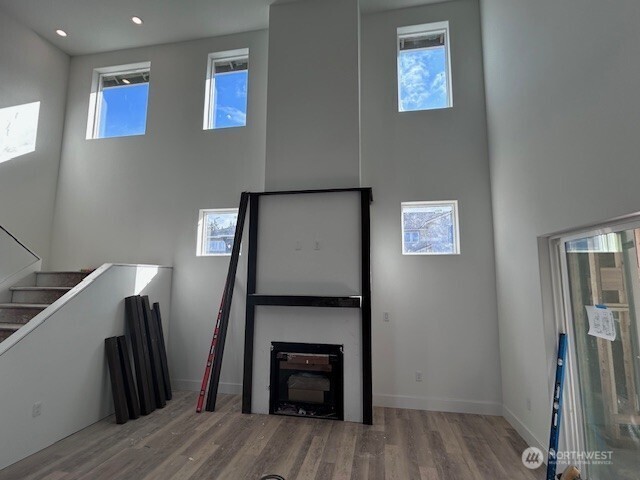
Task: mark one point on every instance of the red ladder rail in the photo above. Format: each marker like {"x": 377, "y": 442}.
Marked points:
{"x": 212, "y": 350}
{"x": 214, "y": 359}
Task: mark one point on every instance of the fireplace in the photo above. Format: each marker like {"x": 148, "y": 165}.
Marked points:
{"x": 307, "y": 380}
{"x": 308, "y": 282}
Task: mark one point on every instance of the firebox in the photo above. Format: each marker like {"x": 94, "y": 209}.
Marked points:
{"x": 306, "y": 380}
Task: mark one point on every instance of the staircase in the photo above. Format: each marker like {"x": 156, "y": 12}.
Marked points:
{"x": 28, "y": 301}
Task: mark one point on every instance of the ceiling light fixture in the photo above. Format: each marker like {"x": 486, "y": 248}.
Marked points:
{"x": 61, "y": 32}
{"x": 125, "y": 81}
{"x": 136, "y": 20}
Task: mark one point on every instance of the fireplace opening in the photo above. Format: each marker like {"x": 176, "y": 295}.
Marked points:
{"x": 306, "y": 380}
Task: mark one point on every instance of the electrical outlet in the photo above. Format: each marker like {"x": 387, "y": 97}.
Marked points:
{"x": 418, "y": 376}
{"x": 316, "y": 245}
{"x": 528, "y": 404}
{"x": 386, "y": 317}
{"x": 37, "y": 409}
{"x": 298, "y": 245}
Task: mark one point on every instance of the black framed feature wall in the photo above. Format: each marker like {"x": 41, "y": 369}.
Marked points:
{"x": 308, "y": 282}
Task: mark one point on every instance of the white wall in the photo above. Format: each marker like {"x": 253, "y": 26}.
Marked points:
{"x": 443, "y": 319}
{"x": 14, "y": 256}
{"x": 290, "y": 262}
{"x": 32, "y": 70}
{"x": 313, "y": 116}
{"x": 58, "y": 359}
{"x": 16, "y": 262}
{"x": 136, "y": 199}
{"x": 563, "y": 111}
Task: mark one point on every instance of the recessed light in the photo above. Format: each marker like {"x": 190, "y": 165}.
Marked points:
{"x": 125, "y": 81}
{"x": 62, "y": 33}
{"x": 136, "y": 20}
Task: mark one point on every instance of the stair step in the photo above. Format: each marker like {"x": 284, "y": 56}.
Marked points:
{"x": 40, "y": 306}
{"x": 4, "y": 334}
{"x": 37, "y": 295}
{"x": 10, "y": 326}
{"x": 59, "y": 279}
{"x": 19, "y": 313}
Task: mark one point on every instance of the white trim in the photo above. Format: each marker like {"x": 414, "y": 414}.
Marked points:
{"x": 380, "y": 400}
{"x": 572, "y": 431}
{"x": 435, "y": 27}
{"x": 201, "y": 230}
{"x": 209, "y": 91}
{"x": 456, "y": 222}
{"x": 95, "y": 98}
{"x": 194, "y": 386}
{"x": 435, "y": 404}
{"x": 523, "y": 431}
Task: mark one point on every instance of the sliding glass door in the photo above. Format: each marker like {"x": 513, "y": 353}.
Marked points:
{"x": 601, "y": 278}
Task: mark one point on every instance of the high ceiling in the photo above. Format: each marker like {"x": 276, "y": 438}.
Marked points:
{"x": 99, "y": 25}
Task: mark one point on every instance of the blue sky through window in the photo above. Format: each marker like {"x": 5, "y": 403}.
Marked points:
{"x": 422, "y": 79}
{"x": 230, "y": 94}
{"x": 124, "y": 111}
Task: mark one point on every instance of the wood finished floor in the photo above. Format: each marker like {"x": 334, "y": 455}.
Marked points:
{"x": 176, "y": 443}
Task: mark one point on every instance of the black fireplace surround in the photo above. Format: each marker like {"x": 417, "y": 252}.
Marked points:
{"x": 307, "y": 380}
{"x": 361, "y": 301}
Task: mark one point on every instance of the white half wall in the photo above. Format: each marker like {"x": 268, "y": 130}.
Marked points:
{"x": 563, "y": 111}
{"x": 58, "y": 359}
{"x": 442, "y": 309}
{"x": 32, "y": 70}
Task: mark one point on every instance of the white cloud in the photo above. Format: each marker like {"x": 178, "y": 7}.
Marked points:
{"x": 422, "y": 79}
{"x": 233, "y": 115}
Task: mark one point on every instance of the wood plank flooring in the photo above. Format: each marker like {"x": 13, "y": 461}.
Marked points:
{"x": 176, "y": 443}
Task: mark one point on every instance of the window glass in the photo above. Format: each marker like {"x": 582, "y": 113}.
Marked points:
{"x": 423, "y": 67}
{"x": 119, "y": 102}
{"x": 430, "y": 228}
{"x": 227, "y": 88}
{"x": 216, "y": 231}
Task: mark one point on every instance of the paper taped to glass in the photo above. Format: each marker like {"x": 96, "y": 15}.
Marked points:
{"x": 601, "y": 322}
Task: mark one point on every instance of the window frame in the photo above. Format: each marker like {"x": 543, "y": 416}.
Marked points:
{"x": 426, "y": 28}
{"x": 95, "y": 99}
{"x": 208, "y": 121}
{"x": 201, "y": 240}
{"x": 456, "y": 225}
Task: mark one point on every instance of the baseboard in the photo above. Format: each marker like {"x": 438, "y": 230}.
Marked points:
{"x": 194, "y": 386}
{"x": 437, "y": 404}
{"x": 522, "y": 430}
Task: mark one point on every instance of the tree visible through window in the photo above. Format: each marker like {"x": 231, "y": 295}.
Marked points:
{"x": 216, "y": 231}
{"x": 424, "y": 79}
{"x": 430, "y": 228}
